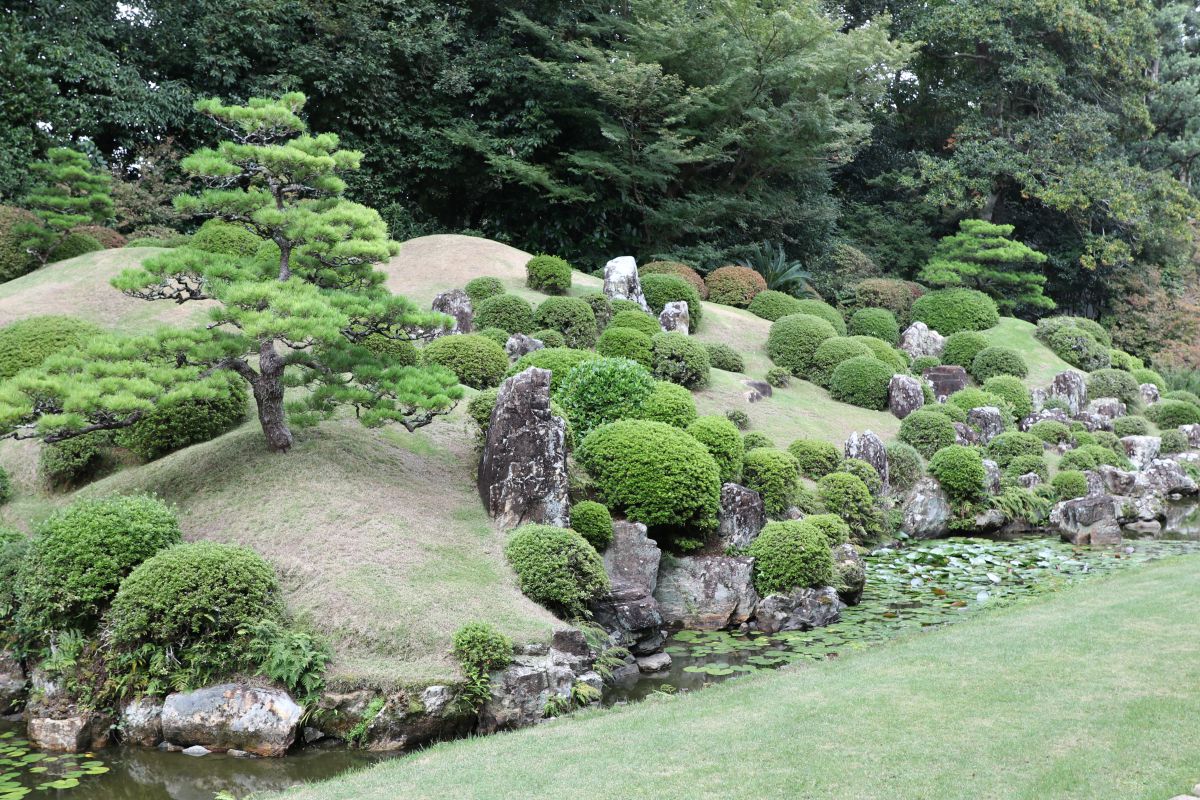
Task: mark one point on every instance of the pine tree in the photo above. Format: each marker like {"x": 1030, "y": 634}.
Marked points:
{"x": 981, "y": 256}
{"x": 292, "y": 316}
{"x": 68, "y": 193}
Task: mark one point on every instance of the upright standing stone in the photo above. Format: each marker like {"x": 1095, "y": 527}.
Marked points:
{"x": 630, "y": 612}
{"x": 946, "y": 380}
{"x": 988, "y": 421}
{"x": 991, "y": 472}
{"x": 868, "y": 447}
{"x": 904, "y": 395}
{"x": 742, "y": 516}
{"x": 919, "y": 340}
{"x": 675, "y": 317}
{"x": 621, "y": 281}
{"x": 523, "y": 474}
{"x": 1149, "y": 393}
{"x": 1070, "y": 387}
{"x": 456, "y": 304}
{"x": 1142, "y": 450}
{"x": 926, "y": 511}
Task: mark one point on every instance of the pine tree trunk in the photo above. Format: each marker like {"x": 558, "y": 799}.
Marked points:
{"x": 268, "y": 395}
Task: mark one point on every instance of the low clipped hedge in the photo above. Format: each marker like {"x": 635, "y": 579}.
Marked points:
{"x": 962, "y": 347}
{"x": 508, "y": 312}
{"x": 663, "y": 289}
{"x": 1131, "y": 426}
{"x": 794, "y": 339}
{"x": 771, "y": 305}
{"x": 723, "y": 442}
{"x": 480, "y": 289}
{"x": 993, "y": 361}
{"x": 225, "y": 238}
{"x": 790, "y": 555}
{"x": 593, "y": 522}
{"x": 28, "y": 342}
{"x": 1013, "y": 391}
{"x": 952, "y": 310}
{"x": 774, "y": 474}
{"x": 558, "y": 360}
{"x": 571, "y": 317}
{"x": 557, "y": 568}
{"x": 475, "y": 360}
{"x": 620, "y": 342}
{"x": 815, "y": 458}
{"x": 677, "y": 269}
{"x": 1173, "y": 413}
{"x": 637, "y": 320}
{"x": 1114, "y": 383}
{"x": 927, "y": 431}
{"x": 830, "y": 354}
{"x": 905, "y": 466}
{"x": 862, "y": 381}
{"x": 877, "y": 322}
{"x": 74, "y": 245}
{"x": 959, "y": 470}
{"x": 819, "y": 308}
{"x": 669, "y": 403}
{"x": 722, "y": 356}
{"x": 603, "y": 390}
{"x": 186, "y": 421}
{"x": 549, "y": 274}
{"x": 847, "y": 496}
{"x": 1070, "y": 484}
{"x": 680, "y": 359}
{"x": 657, "y": 474}
{"x": 734, "y": 286}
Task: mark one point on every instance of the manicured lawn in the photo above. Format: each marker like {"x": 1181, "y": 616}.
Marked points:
{"x": 1087, "y": 693}
{"x": 1018, "y": 334}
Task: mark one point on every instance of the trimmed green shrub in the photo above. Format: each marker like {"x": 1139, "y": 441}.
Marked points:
{"x": 1174, "y": 441}
{"x": 13, "y": 545}
{"x": 1080, "y": 437}
{"x": 794, "y": 340}
{"x": 815, "y": 458}
{"x": 1070, "y": 484}
{"x": 79, "y": 556}
{"x": 847, "y": 496}
{"x": 1090, "y": 456}
{"x": 1143, "y": 375}
{"x": 830, "y": 354}
{"x": 970, "y": 398}
{"x": 771, "y": 305}
{"x": 655, "y": 473}
{"x": 680, "y": 359}
{"x": 1114, "y": 383}
{"x": 962, "y": 347}
{"x": 1104, "y": 439}
{"x": 479, "y": 409}
{"x": 883, "y": 351}
{"x": 905, "y": 465}
{"x": 75, "y": 461}
{"x": 480, "y": 650}
{"x": 1131, "y": 426}
{"x": 993, "y": 361}
{"x": 497, "y": 335}
{"x": 1050, "y": 431}
{"x": 754, "y": 439}
{"x": 669, "y": 403}
{"x": 779, "y": 377}
{"x": 723, "y": 442}
{"x": 1078, "y": 348}
{"x": 1047, "y": 326}
{"x": 863, "y": 382}
{"x": 894, "y": 295}
{"x": 663, "y": 289}
{"x": 1184, "y": 395}
{"x": 927, "y": 431}
{"x": 1173, "y": 413}
{"x": 28, "y": 342}
{"x": 922, "y": 363}
{"x": 790, "y": 555}
{"x": 949, "y": 311}
{"x": 734, "y": 286}
{"x": 1013, "y": 391}
{"x": 948, "y": 410}
{"x": 865, "y": 473}
{"x": 819, "y": 308}
{"x": 722, "y": 356}
{"x": 833, "y": 527}
{"x": 677, "y": 269}
{"x": 480, "y": 289}
{"x": 549, "y": 338}
{"x": 475, "y": 360}
{"x": 739, "y": 418}
{"x": 877, "y": 322}
{"x": 620, "y": 304}
{"x": 621, "y": 342}
{"x": 1119, "y": 359}
{"x": 225, "y": 238}
{"x": 959, "y": 470}
{"x": 1012, "y": 444}
{"x": 571, "y": 317}
{"x": 174, "y": 426}
{"x": 15, "y": 260}
{"x": 397, "y": 352}
{"x": 508, "y": 312}
{"x": 774, "y": 474}
{"x": 601, "y": 307}
{"x": 604, "y": 390}
{"x": 556, "y": 567}
{"x": 549, "y": 274}
{"x": 637, "y": 320}
{"x": 1023, "y": 465}
{"x": 592, "y": 521}
{"x": 73, "y": 245}
{"x": 559, "y": 360}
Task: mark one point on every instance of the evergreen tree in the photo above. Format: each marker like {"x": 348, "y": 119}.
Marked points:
{"x": 294, "y": 315}
{"x": 68, "y": 193}
{"x": 981, "y": 256}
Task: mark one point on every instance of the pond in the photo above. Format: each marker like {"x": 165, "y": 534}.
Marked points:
{"x": 920, "y": 586}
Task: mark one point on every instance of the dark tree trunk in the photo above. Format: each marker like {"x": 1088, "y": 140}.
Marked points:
{"x": 268, "y": 394}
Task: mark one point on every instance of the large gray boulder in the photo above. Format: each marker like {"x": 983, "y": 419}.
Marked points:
{"x": 799, "y": 610}
{"x": 851, "y": 571}
{"x": 675, "y": 317}
{"x": 706, "y": 592}
{"x": 632, "y": 558}
{"x": 988, "y": 420}
{"x": 12, "y": 684}
{"x": 621, "y": 281}
{"x": 1088, "y": 521}
{"x": 1149, "y": 393}
{"x": 521, "y": 691}
{"x": 1192, "y": 432}
{"x": 141, "y": 722}
{"x": 232, "y": 716}
{"x": 523, "y": 474}
{"x": 742, "y": 516}
{"x": 868, "y": 447}
{"x": 1107, "y": 407}
{"x": 1142, "y": 449}
{"x": 945, "y": 380}
{"x": 78, "y": 731}
{"x": 926, "y": 511}
{"x": 1071, "y": 388}
{"x": 1163, "y": 477}
{"x": 1054, "y": 414}
{"x": 965, "y": 435}
{"x": 456, "y": 304}
{"x": 919, "y": 339}
{"x": 904, "y": 395}
{"x": 519, "y": 344}
{"x": 629, "y": 611}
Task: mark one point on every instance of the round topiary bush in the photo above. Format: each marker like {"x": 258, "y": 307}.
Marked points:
{"x": 1050, "y": 431}
{"x": 970, "y": 398}
{"x": 927, "y": 431}
{"x": 962, "y": 347}
{"x": 771, "y": 305}
{"x": 73, "y": 462}
{"x": 479, "y": 409}
{"x": 1173, "y": 413}
{"x": 883, "y": 351}
{"x": 754, "y": 439}
{"x": 959, "y": 470}
{"x": 558, "y": 360}
{"x": 779, "y": 377}
{"x": 1104, "y": 439}
{"x": 723, "y": 442}
{"x": 549, "y": 274}
{"x": 13, "y": 545}
{"x": 821, "y": 309}
{"x": 1119, "y": 359}
{"x": 497, "y": 335}
{"x": 678, "y": 270}
{"x": 225, "y": 238}
{"x": 862, "y": 381}
{"x": 396, "y": 352}
{"x": 722, "y": 356}
{"x": 790, "y": 555}
{"x": 1047, "y": 326}
{"x": 894, "y": 295}
{"x": 638, "y": 320}
{"x": 739, "y": 418}
{"x": 663, "y": 289}
{"x": 1114, "y": 383}
{"x": 794, "y": 340}
{"x": 905, "y": 466}
{"x": 774, "y": 474}
{"x": 680, "y": 359}
{"x": 847, "y": 496}
{"x": 601, "y": 307}
{"x": 15, "y": 260}
{"x": 620, "y": 342}
{"x": 620, "y": 304}
{"x": 830, "y": 354}
{"x": 1174, "y": 441}
{"x": 1078, "y": 459}
{"x": 604, "y": 390}
{"x": 949, "y": 410}
{"x": 1009, "y": 445}
{"x": 73, "y": 245}
{"x": 185, "y": 422}
{"x": 592, "y": 521}
{"x": 949, "y": 311}
{"x": 1184, "y": 395}
{"x": 1070, "y": 484}
{"x": 877, "y": 322}
{"x": 734, "y": 286}
{"x": 475, "y": 360}
{"x": 1023, "y": 465}
{"x": 507, "y": 312}
{"x": 1013, "y": 391}
{"x": 480, "y": 289}
{"x": 1131, "y": 426}
{"x": 815, "y": 458}
{"x": 832, "y": 527}
{"x": 79, "y": 556}
{"x": 1143, "y": 375}
{"x": 1078, "y": 348}
{"x": 556, "y": 567}
{"x": 864, "y": 472}
{"x": 28, "y": 342}
{"x": 549, "y": 338}
{"x": 571, "y": 317}
{"x": 922, "y": 363}
{"x": 656, "y": 473}
{"x": 669, "y": 403}
{"x": 993, "y": 361}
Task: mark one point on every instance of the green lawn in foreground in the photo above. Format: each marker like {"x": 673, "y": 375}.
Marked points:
{"x": 1087, "y": 693}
